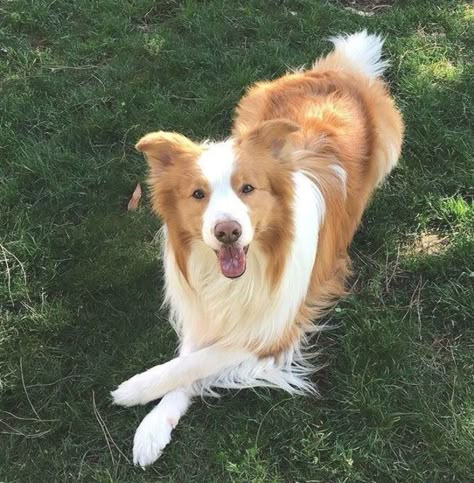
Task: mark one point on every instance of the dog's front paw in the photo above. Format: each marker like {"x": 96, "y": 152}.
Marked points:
{"x": 135, "y": 390}
{"x": 145, "y": 387}
{"x": 153, "y": 434}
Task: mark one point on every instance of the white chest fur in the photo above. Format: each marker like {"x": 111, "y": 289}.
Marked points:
{"x": 244, "y": 312}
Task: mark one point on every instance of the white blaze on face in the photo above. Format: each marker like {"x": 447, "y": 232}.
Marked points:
{"x": 217, "y": 164}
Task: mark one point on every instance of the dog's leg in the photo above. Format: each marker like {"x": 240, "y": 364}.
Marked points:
{"x": 180, "y": 372}
{"x": 154, "y": 432}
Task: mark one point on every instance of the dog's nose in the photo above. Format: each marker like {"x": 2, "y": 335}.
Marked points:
{"x": 227, "y": 231}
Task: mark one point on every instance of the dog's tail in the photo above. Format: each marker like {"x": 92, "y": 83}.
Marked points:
{"x": 360, "y": 51}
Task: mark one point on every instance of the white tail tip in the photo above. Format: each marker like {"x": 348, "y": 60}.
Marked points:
{"x": 363, "y": 51}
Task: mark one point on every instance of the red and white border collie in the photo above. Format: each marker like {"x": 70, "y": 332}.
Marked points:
{"x": 256, "y": 229}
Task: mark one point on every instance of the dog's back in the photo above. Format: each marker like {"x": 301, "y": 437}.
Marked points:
{"x": 350, "y": 129}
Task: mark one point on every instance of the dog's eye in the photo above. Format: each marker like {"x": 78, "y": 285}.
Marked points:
{"x": 198, "y": 194}
{"x": 247, "y": 188}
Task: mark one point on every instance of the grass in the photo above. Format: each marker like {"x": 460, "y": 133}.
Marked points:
{"x": 80, "y": 82}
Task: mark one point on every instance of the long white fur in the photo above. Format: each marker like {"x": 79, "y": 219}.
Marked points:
{"x": 219, "y": 319}
{"x": 243, "y": 312}
{"x": 182, "y": 371}
{"x": 363, "y": 51}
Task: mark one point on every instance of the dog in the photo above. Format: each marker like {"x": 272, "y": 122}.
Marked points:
{"x": 256, "y": 229}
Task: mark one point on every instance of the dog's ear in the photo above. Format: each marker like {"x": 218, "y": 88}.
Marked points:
{"x": 165, "y": 149}
{"x": 274, "y": 136}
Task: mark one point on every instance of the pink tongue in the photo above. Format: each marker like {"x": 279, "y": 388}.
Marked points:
{"x": 232, "y": 261}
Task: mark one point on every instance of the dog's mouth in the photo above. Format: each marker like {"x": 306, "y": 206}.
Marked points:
{"x": 232, "y": 260}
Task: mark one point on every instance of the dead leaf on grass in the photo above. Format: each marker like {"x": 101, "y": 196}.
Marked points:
{"x": 135, "y": 199}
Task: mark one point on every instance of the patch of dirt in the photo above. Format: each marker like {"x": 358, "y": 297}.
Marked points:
{"x": 365, "y": 7}
{"x": 429, "y": 244}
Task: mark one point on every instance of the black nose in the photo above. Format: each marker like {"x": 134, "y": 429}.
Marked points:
{"x": 227, "y": 231}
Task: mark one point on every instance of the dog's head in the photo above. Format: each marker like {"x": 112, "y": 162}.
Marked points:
{"x": 228, "y": 195}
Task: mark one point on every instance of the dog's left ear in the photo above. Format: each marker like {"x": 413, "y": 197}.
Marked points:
{"x": 165, "y": 149}
{"x": 274, "y": 136}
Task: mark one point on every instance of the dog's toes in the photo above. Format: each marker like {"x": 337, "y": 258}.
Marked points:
{"x": 129, "y": 393}
{"x": 144, "y": 387}
{"x": 153, "y": 434}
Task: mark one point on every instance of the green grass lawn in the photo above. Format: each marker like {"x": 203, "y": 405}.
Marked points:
{"x": 80, "y": 284}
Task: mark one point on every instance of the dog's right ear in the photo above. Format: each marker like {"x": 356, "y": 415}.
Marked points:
{"x": 165, "y": 149}
{"x": 272, "y": 136}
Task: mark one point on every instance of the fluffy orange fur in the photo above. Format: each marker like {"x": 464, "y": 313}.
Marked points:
{"x": 173, "y": 176}
{"x": 343, "y": 117}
